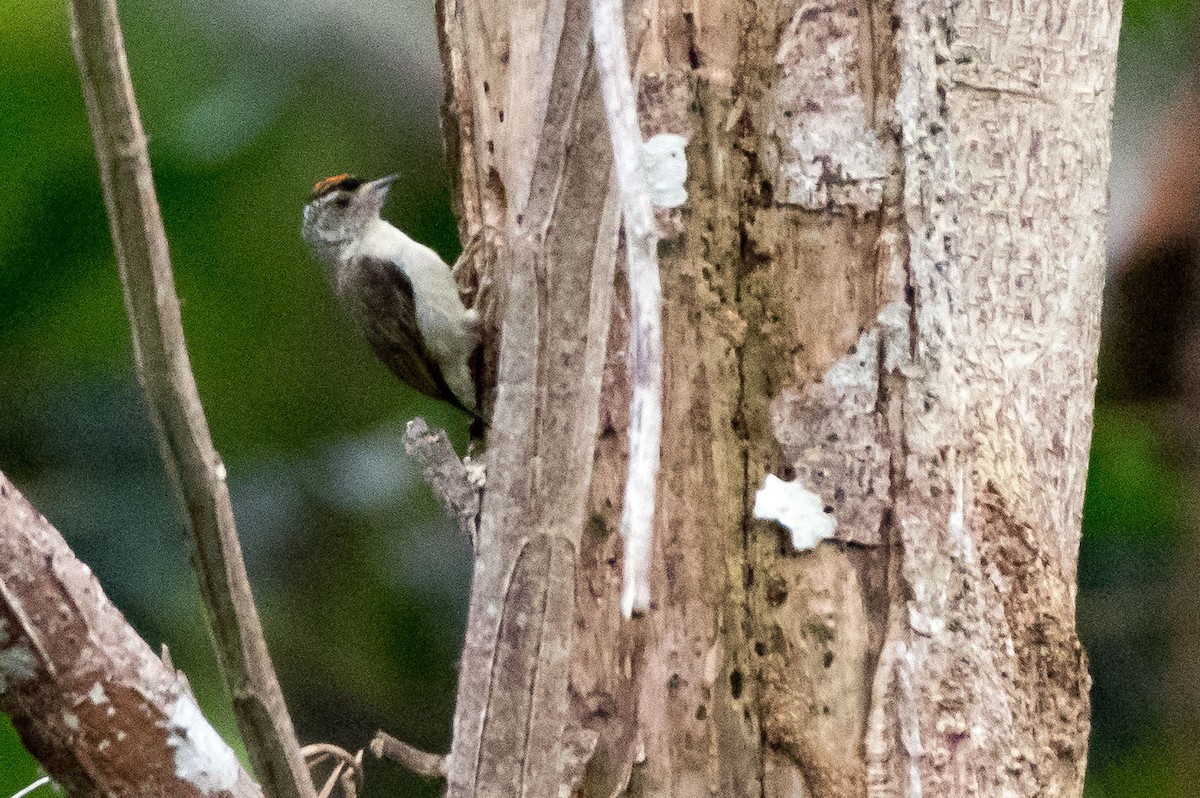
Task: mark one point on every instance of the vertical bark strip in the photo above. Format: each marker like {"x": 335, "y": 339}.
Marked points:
{"x": 884, "y": 290}
{"x": 645, "y": 300}
{"x": 1004, "y": 121}
{"x": 542, "y": 156}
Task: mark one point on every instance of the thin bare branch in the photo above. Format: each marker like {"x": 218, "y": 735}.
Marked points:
{"x": 445, "y": 473}
{"x": 102, "y": 714}
{"x": 645, "y": 300}
{"x": 173, "y": 401}
{"x": 431, "y": 766}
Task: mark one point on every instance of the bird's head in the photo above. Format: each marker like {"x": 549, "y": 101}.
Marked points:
{"x": 340, "y": 209}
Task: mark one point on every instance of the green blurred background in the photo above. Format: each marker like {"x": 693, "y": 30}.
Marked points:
{"x": 361, "y": 582}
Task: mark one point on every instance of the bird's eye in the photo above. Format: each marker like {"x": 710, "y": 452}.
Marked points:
{"x": 342, "y": 201}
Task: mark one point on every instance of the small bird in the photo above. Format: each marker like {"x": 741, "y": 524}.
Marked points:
{"x": 399, "y": 294}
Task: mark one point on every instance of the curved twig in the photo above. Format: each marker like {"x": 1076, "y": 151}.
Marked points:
{"x": 348, "y": 770}
{"x": 21, "y": 793}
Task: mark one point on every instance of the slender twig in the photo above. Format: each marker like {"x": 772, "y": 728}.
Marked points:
{"x": 173, "y": 401}
{"x": 347, "y": 770}
{"x": 431, "y": 766}
{"x": 645, "y": 300}
{"x": 21, "y": 793}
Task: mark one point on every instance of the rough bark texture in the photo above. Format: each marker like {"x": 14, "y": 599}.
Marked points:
{"x": 101, "y": 713}
{"x": 885, "y": 289}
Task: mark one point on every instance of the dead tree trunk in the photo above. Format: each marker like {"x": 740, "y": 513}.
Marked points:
{"x": 884, "y": 291}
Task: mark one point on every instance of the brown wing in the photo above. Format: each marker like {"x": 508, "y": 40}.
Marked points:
{"x": 389, "y": 319}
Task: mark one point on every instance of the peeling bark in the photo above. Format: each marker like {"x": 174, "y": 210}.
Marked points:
{"x": 884, "y": 286}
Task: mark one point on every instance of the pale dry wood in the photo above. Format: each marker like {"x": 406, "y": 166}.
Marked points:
{"x": 431, "y": 766}
{"x": 645, "y": 300}
{"x": 88, "y": 697}
{"x": 173, "y": 401}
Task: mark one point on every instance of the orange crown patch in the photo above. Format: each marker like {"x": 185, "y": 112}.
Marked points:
{"x": 342, "y": 181}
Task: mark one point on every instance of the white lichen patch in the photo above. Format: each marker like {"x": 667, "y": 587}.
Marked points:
{"x": 96, "y": 695}
{"x": 830, "y": 433}
{"x": 797, "y": 509}
{"x": 666, "y": 169}
{"x": 201, "y": 757}
{"x": 476, "y": 473}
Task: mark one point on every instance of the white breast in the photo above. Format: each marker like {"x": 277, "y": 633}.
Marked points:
{"x": 447, "y": 326}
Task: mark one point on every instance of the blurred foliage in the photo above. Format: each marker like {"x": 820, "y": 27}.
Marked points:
{"x": 1142, "y": 771}
{"x": 1132, "y": 489}
{"x": 361, "y": 582}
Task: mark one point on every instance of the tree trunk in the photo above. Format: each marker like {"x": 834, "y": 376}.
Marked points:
{"x": 883, "y": 289}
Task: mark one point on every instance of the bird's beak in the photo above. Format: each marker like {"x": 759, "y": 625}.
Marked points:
{"x": 381, "y": 186}
{"x": 376, "y": 191}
